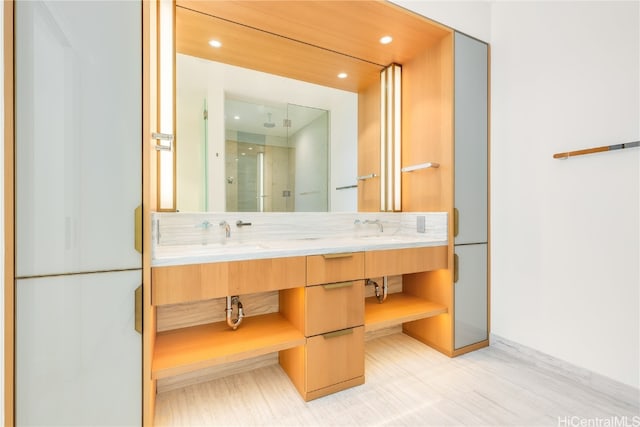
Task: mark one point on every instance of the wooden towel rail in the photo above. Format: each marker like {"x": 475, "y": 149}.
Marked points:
{"x": 568, "y": 154}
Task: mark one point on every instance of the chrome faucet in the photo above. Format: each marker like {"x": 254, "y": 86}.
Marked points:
{"x": 227, "y": 228}
{"x": 375, "y": 221}
{"x": 204, "y": 225}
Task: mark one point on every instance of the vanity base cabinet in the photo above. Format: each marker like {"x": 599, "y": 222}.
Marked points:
{"x": 328, "y": 363}
{"x": 333, "y": 307}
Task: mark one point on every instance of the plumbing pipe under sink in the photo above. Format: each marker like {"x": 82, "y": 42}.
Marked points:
{"x": 381, "y": 295}
{"x": 234, "y": 323}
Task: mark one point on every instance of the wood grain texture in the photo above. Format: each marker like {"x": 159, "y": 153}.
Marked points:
{"x": 435, "y": 286}
{"x": 257, "y": 50}
{"x": 407, "y": 383}
{"x": 195, "y": 282}
{"x": 176, "y": 316}
{"x": 329, "y": 309}
{"x": 343, "y": 34}
{"x": 9, "y": 216}
{"x": 369, "y": 147}
{"x": 321, "y": 269}
{"x": 402, "y": 261}
{"x": 334, "y": 359}
{"x": 398, "y": 308}
{"x": 184, "y": 350}
{"x": 427, "y": 129}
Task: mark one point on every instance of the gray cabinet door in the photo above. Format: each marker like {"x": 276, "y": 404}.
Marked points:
{"x": 470, "y": 295}
{"x": 78, "y": 135}
{"x": 471, "y": 146}
{"x": 78, "y": 355}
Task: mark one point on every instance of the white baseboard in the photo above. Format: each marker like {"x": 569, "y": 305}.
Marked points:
{"x": 593, "y": 380}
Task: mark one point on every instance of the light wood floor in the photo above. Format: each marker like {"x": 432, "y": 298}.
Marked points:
{"x": 407, "y": 384}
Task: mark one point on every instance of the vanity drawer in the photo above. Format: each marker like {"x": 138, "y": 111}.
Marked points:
{"x": 334, "y": 358}
{"x": 334, "y": 306}
{"x": 195, "y": 282}
{"x": 332, "y": 268}
{"x": 405, "y": 261}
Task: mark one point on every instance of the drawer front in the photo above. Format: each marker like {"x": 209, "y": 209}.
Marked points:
{"x": 334, "y": 306}
{"x": 186, "y": 283}
{"x": 404, "y": 261}
{"x": 263, "y": 275}
{"x": 334, "y": 268}
{"x": 334, "y": 358}
{"x": 195, "y": 282}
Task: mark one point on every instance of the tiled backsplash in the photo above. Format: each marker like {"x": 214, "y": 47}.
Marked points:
{"x": 204, "y": 228}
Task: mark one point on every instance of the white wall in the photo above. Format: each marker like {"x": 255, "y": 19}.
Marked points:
{"x": 565, "y": 233}
{"x": 472, "y": 17}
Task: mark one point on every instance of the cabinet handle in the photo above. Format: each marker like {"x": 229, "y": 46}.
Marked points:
{"x": 167, "y": 137}
{"x": 341, "y": 255}
{"x": 337, "y": 333}
{"x": 137, "y": 238}
{"x": 338, "y": 285}
{"x": 456, "y": 221}
{"x": 137, "y": 296}
{"x": 455, "y": 268}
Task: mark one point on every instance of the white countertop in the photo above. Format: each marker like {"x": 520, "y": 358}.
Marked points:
{"x": 233, "y": 250}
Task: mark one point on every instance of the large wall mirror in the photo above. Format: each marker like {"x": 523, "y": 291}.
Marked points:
{"x": 250, "y": 141}
{"x": 282, "y": 53}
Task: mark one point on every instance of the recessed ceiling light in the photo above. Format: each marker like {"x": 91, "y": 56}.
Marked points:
{"x": 215, "y": 43}
{"x": 386, "y": 39}
{"x": 236, "y": 117}
{"x": 342, "y": 75}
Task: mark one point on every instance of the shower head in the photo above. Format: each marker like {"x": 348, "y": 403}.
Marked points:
{"x": 269, "y": 124}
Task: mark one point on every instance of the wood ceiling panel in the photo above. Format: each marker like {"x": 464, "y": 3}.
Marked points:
{"x": 257, "y": 50}
{"x": 349, "y": 27}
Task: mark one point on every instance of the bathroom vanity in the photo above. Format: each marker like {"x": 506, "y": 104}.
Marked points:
{"x": 319, "y": 311}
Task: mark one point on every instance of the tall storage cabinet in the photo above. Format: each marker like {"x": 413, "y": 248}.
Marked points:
{"x": 78, "y": 179}
{"x": 470, "y": 190}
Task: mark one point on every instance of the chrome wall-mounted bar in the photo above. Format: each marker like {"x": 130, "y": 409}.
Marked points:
{"x": 420, "y": 166}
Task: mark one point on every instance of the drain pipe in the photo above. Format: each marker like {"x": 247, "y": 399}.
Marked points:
{"x": 381, "y": 295}
{"x": 234, "y": 323}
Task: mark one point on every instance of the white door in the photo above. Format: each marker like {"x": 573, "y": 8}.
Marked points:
{"x": 78, "y": 356}
{"x": 78, "y": 135}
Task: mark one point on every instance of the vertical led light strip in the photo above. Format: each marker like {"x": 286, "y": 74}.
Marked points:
{"x": 383, "y": 139}
{"x": 397, "y": 136}
{"x": 390, "y": 138}
{"x": 166, "y": 116}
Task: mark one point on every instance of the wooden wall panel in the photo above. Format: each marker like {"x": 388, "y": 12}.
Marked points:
{"x": 427, "y": 129}
{"x": 369, "y": 147}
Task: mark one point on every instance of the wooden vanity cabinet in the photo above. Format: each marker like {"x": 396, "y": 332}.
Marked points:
{"x": 186, "y": 349}
{"x": 333, "y": 306}
{"x": 335, "y": 361}
{"x": 332, "y": 268}
{"x": 333, "y": 318}
{"x": 195, "y": 282}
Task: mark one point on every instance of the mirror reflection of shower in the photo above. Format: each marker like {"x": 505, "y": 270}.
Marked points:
{"x": 275, "y": 157}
